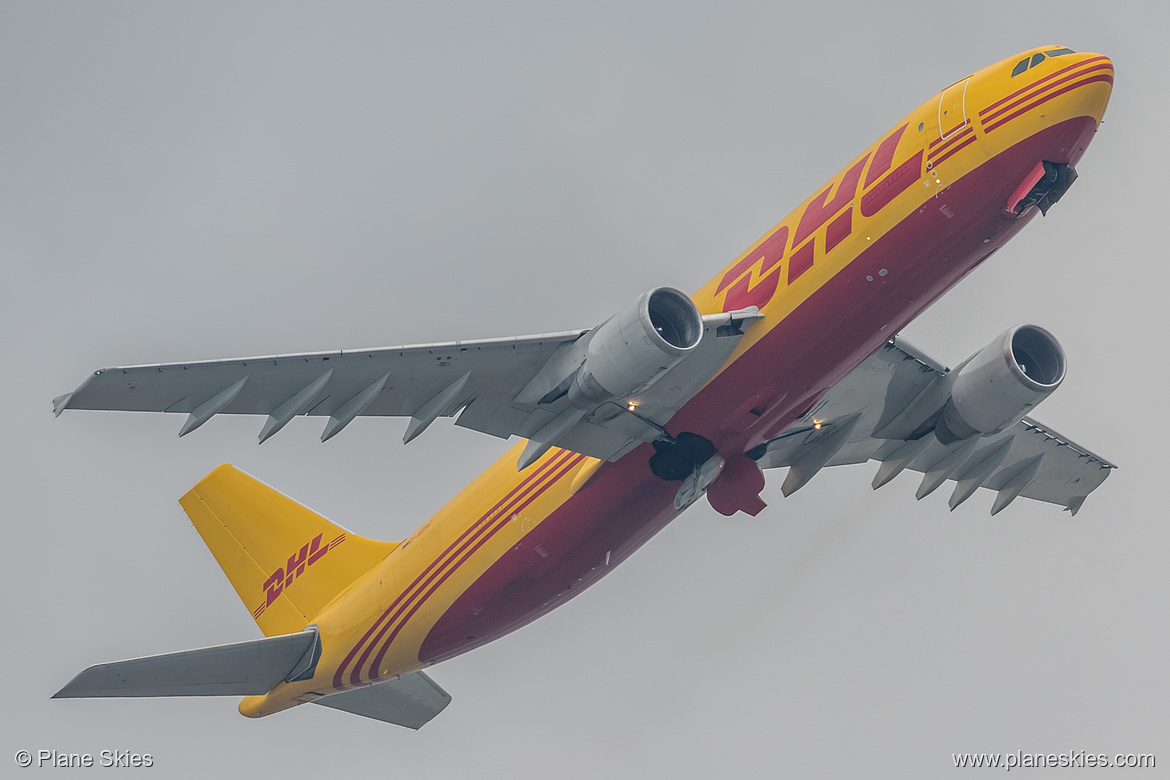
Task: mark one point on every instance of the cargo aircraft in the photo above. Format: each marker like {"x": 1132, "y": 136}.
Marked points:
{"x": 788, "y": 358}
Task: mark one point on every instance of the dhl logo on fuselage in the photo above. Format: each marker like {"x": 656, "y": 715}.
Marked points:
{"x": 753, "y": 280}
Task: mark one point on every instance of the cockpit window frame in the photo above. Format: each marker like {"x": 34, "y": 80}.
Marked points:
{"x": 1038, "y": 59}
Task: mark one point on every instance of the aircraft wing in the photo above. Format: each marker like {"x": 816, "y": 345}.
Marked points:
{"x": 863, "y": 417}
{"x": 488, "y": 383}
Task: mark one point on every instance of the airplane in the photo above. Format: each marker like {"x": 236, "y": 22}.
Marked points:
{"x": 787, "y": 358}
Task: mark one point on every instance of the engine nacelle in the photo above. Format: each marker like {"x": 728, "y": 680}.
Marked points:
{"x": 631, "y": 350}
{"x": 1001, "y": 383}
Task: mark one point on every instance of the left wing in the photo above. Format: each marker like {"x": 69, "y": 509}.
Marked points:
{"x": 886, "y": 410}
{"x": 340, "y": 385}
{"x": 504, "y": 387}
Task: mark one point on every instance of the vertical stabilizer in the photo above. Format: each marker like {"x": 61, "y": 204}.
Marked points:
{"x": 285, "y": 561}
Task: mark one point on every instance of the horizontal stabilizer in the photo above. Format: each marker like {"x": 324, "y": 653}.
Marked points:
{"x": 241, "y": 669}
{"x": 411, "y": 701}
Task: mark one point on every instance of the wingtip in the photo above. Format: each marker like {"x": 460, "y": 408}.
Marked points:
{"x": 66, "y": 691}
{"x": 61, "y": 403}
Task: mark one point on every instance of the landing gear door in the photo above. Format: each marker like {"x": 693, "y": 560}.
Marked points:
{"x": 952, "y": 109}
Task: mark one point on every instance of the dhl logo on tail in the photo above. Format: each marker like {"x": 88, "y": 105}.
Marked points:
{"x": 279, "y": 580}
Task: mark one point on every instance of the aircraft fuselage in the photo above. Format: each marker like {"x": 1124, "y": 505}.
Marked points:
{"x": 923, "y": 206}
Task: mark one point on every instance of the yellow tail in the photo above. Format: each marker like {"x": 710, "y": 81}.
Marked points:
{"x": 285, "y": 561}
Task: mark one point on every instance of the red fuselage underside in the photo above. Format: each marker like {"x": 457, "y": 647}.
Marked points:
{"x": 828, "y": 335}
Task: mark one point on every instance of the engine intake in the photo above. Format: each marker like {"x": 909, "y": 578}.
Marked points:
{"x": 632, "y": 349}
{"x": 1001, "y": 383}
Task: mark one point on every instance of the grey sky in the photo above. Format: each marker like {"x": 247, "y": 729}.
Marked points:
{"x": 200, "y": 181}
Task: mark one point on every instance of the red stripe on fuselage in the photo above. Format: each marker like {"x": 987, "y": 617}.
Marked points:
{"x": 954, "y": 149}
{"x": 516, "y": 501}
{"x": 1105, "y": 77}
{"x": 988, "y": 116}
{"x": 1039, "y": 85}
{"x": 829, "y": 334}
{"x": 967, "y": 133}
{"x": 430, "y": 571}
{"x": 499, "y": 524}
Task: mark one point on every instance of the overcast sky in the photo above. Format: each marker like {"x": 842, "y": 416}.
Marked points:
{"x": 211, "y": 180}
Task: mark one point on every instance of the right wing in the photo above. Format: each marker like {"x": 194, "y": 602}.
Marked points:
{"x": 864, "y": 417}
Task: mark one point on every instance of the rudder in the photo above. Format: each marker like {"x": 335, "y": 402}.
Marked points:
{"x": 285, "y": 561}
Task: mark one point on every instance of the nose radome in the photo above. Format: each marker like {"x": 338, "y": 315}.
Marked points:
{"x": 1093, "y": 81}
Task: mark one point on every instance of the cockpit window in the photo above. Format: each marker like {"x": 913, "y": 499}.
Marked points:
{"x": 1036, "y": 59}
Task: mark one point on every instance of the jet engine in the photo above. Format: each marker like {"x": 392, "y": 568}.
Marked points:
{"x": 1001, "y": 383}
{"x": 632, "y": 349}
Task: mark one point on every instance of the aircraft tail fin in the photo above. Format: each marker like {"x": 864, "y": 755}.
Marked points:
{"x": 285, "y": 561}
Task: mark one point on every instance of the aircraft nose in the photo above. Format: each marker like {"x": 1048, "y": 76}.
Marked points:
{"x": 1092, "y": 80}
{"x": 1050, "y": 86}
